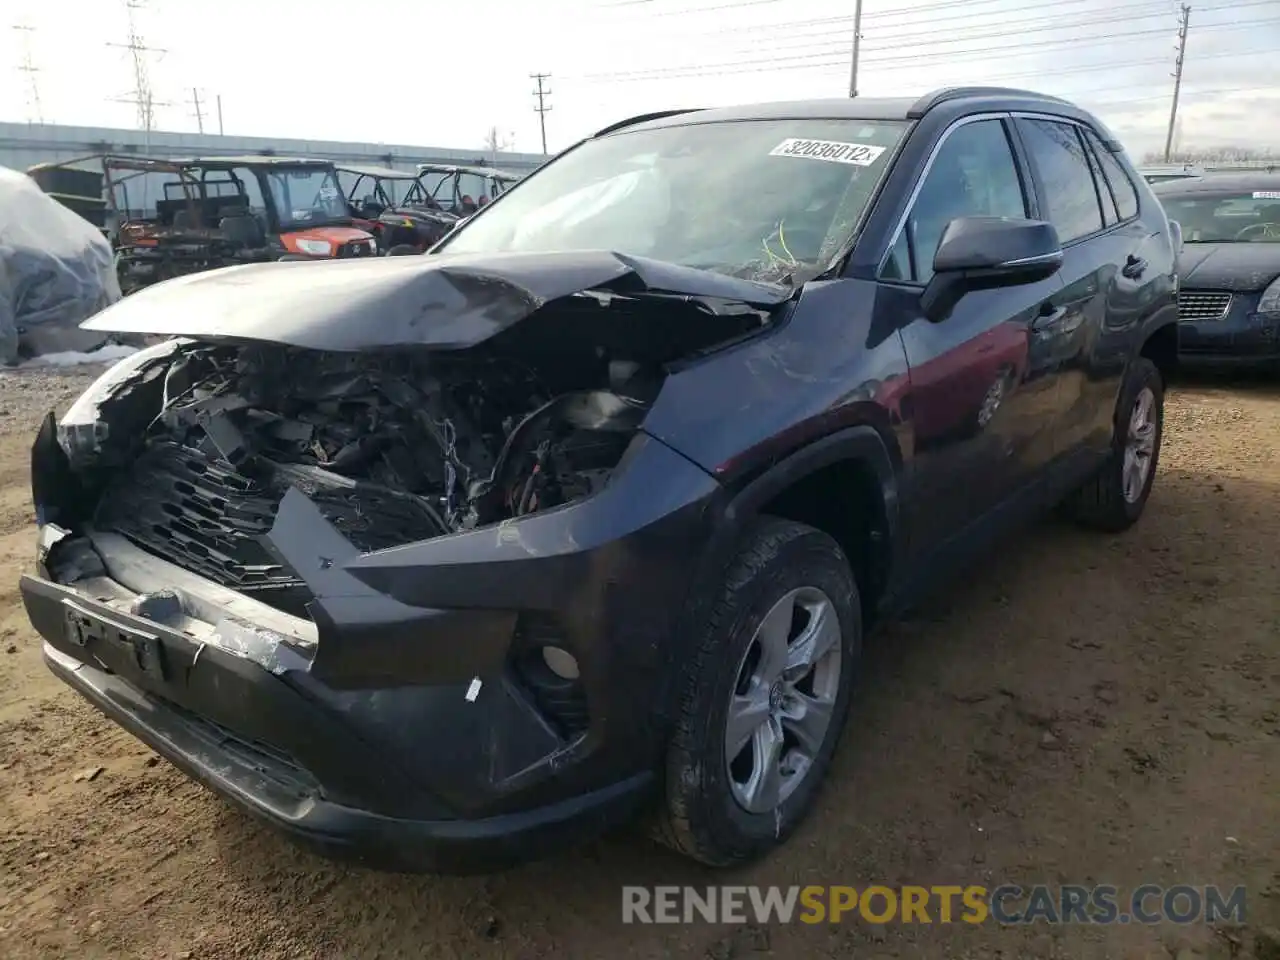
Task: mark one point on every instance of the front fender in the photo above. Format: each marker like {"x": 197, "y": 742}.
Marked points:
{"x": 733, "y": 510}
{"x": 730, "y": 513}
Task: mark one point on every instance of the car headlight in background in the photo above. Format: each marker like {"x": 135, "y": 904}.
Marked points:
{"x": 317, "y": 248}
{"x": 1270, "y": 302}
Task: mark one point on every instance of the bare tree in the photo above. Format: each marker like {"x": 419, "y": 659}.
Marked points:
{"x": 497, "y": 141}
{"x": 1223, "y": 154}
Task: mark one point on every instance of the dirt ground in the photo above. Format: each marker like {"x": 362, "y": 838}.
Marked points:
{"x": 1082, "y": 709}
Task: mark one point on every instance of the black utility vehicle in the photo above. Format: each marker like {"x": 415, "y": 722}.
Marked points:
{"x": 443, "y": 561}
{"x": 396, "y": 208}
{"x": 1229, "y": 268}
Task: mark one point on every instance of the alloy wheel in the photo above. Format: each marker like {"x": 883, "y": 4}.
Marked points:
{"x": 1140, "y": 446}
{"x": 784, "y": 699}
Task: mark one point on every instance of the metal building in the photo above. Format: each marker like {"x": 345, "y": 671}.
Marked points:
{"x": 23, "y": 145}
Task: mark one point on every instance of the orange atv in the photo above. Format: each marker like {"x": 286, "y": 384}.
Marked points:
{"x": 175, "y": 217}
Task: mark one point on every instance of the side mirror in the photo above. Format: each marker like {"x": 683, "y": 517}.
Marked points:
{"x": 981, "y": 253}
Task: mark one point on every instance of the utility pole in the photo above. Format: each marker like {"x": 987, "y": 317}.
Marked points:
{"x": 35, "y": 114}
{"x": 857, "y": 42}
{"x": 220, "y": 115}
{"x": 1183, "y": 26}
{"x": 542, "y": 108}
{"x": 195, "y": 98}
{"x": 142, "y": 96}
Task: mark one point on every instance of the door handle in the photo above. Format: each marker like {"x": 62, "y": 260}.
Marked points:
{"x": 1134, "y": 267}
{"x": 1047, "y": 317}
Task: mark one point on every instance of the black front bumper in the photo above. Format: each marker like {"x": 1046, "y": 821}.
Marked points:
{"x": 371, "y": 745}
{"x": 291, "y": 802}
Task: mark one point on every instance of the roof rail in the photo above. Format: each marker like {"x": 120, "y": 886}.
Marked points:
{"x": 644, "y": 118}
{"x": 931, "y": 100}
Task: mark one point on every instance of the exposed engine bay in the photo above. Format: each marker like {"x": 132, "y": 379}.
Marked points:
{"x": 406, "y": 399}
{"x": 393, "y": 448}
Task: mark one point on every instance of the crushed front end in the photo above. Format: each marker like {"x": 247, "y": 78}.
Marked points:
{"x": 412, "y": 607}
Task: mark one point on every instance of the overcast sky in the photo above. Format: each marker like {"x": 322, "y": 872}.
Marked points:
{"x": 439, "y": 73}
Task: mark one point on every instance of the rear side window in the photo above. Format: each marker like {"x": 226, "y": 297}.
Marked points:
{"x": 1069, "y": 192}
{"x": 1121, "y": 186}
{"x": 1109, "y": 215}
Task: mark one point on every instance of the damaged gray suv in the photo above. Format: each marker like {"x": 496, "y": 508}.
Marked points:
{"x": 442, "y": 562}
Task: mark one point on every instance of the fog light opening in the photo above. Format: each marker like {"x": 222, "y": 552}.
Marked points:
{"x": 560, "y": 662}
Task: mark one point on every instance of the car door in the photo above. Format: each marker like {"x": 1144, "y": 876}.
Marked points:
{"x": 979, "y": 405}
{"x": 1102, "y": 271}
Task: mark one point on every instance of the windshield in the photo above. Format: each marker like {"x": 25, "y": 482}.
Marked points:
{"x": 306, "y": 197}
{"x": 756, "y": 199}
{"x": 1252, "y": 217}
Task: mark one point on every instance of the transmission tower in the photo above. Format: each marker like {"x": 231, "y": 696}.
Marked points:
{"x": 139, "y": 53}
{"x": 27, "y": 66}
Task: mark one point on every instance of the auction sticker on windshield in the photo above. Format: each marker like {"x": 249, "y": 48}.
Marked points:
{"x": 833, "y": 151}
{"x": 1266, "y": 194}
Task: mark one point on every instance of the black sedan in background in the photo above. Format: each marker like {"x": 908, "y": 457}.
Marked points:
{"x": 1229, "y": 270}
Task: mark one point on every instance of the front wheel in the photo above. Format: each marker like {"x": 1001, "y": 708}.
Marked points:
{"x": 765, "y": 696}
{"x": 1114, "y": 499}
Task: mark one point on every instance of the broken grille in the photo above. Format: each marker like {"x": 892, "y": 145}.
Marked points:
{"x": 200, "y": 513}
{"x": 1203, "y": 305}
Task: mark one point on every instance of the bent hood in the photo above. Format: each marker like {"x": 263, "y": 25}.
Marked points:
{"x": 447, "y": 301}
{"x": 1238, "y": 267}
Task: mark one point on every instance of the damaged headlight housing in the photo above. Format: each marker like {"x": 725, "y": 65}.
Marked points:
{"x": 316, "y": 248}
{"x": 1269, "y": 305}
{"x": 81, "y": 431}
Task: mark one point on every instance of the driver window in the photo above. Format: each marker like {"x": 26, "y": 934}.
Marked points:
{"x": 973, "y": 175}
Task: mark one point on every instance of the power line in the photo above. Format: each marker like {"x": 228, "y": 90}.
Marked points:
{"x": 1127, "y": 101}
{"x": 27, "y": 67}
{"x": 1035, "y": 47}
{"x": 835, "y": 56}
{"x": 826, "y": 62}
{"x": 1119, "y": 14}
{"x": 142, "y": 97}
{"x": 824, "y": 26}
{"x": 543, "y": 107}
{"x": 1183, "y": 29}
{"x": 895, "y": 13}
{"x": 949, "y": 35}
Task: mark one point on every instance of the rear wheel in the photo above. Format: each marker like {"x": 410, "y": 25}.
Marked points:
{"x": 765, "y": 696}
{"x": 1114, "y": 499}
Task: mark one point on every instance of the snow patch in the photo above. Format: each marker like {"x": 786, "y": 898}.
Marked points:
{"x": 74, "y": 358}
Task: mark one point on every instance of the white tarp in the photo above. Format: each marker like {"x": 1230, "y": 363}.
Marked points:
{"x": 56, "y": 271}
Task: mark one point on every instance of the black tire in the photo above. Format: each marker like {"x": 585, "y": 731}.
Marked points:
{"x": 403, "y": 250}
{"x": 701, "y": 818}
{"x": 1101, "y": 503}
